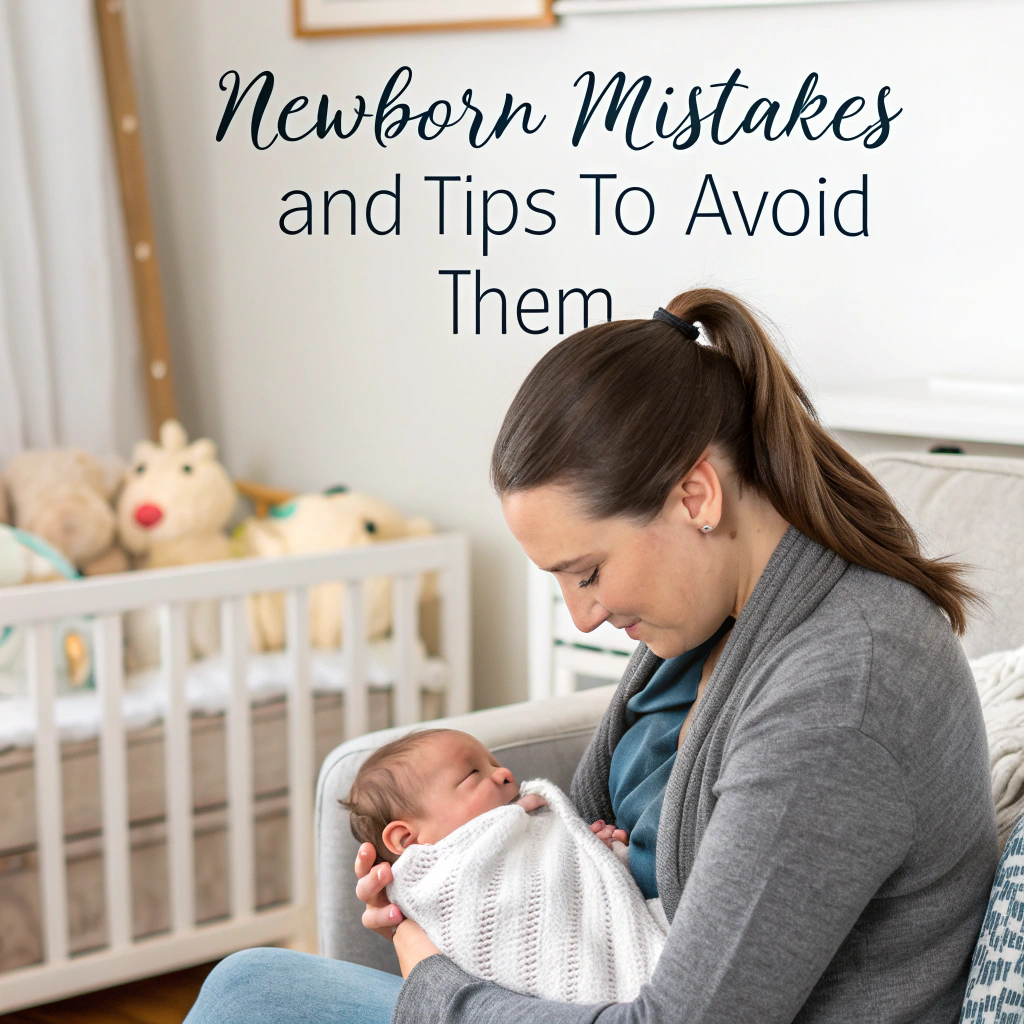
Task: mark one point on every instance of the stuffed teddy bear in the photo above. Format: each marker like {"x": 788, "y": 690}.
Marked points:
{"x": 172, "y": 510}
{"x": 311, "y": 523}
{"x": 63, "y": 496}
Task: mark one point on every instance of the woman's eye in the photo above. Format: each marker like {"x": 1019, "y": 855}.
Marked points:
{"x": 592, "y": 578}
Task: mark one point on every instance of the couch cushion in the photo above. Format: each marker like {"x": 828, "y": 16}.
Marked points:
{"x": 971, "y": 508}
{"x": 995, "y": 988}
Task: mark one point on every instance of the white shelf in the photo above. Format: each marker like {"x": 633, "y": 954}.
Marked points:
{"x": 563, "y": 7}
{"x": 942, "y": 408}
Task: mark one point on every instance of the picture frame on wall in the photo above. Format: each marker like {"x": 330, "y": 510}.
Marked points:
{"x": 357, "y": 17}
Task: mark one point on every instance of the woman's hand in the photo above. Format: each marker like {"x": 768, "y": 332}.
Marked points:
{"x": 380, "y": 916}
{"x": 384, "y": 918}
{"x": 412, "y": 946}
{"x": 609, "y": 834}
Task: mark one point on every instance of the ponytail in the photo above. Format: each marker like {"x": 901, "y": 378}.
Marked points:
{"x": 810, "y": 479}
{"x": 622, "y": 411}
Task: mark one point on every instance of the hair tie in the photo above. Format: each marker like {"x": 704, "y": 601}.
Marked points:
{"x": 691, "y": 332}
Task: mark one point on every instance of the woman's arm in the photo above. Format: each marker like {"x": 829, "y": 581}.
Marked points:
{"x": 798, "y": 844}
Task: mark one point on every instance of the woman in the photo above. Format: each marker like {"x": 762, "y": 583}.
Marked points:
{"x": 796, "y": 748}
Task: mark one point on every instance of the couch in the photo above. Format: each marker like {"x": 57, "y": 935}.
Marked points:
{"x": 971, "y": 507}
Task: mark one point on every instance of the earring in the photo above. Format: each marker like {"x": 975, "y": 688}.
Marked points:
{"x": 707, "y": 528}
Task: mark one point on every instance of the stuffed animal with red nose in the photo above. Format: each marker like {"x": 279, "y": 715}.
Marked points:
{"x": 172, "y": 510}
{"x": 175, "y": 501}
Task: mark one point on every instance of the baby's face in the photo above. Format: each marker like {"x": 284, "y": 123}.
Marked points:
{"x": 457, "y": 779}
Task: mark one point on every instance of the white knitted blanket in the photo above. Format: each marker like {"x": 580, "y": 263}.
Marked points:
{"x": 1000, "y": 679}
{"x": 534, "y": 902}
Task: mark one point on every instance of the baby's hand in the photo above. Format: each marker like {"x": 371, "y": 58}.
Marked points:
{"x": 609, "y": 834}
{"x": 531, "y": 801}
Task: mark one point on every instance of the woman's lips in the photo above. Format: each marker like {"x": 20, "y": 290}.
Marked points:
{"x": 630, "y": 628}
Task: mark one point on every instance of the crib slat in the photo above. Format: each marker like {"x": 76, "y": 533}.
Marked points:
{"x": 300, "y": 746}
{"x": 49, "y": 798}
{"x": 234, "y": 642}
{"x": 404, "y": 613}
{"x": 109, "y": 671}
{"x": 353, "y": 633}
{"x": 178, "y": 766}
{"x": 455, "y": 626}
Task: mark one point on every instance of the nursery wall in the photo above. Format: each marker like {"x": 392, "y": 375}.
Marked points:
{"x": 319, "y": 360}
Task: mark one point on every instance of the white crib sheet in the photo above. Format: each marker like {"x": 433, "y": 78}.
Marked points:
{"x": 206, "y": 687}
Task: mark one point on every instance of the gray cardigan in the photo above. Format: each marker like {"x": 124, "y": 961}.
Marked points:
{"x": 827, "y": 839}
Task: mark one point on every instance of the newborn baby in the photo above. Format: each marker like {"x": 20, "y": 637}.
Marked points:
{"x": 509, "y": 882}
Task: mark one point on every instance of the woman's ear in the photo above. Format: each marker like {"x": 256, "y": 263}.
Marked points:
{"x": 398, "y": 836}
{"x": 699, "y": 495}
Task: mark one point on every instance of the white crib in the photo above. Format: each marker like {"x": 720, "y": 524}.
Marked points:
{"x": 38, "y": 608}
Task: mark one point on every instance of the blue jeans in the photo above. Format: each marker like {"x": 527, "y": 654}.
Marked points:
{"x": 279, "y": 986}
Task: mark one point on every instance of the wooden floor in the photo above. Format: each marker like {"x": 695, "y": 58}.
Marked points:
{"x": 163, "y": 1000}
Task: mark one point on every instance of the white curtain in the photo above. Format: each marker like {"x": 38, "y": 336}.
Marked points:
{"x": 69, "y": 360}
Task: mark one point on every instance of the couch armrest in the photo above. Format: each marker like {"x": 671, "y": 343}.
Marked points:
{"x": 542, "y": 738}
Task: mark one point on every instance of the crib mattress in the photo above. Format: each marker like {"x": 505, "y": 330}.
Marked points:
{"x": 20, "y": 935}
{"x": 206, "y": 689}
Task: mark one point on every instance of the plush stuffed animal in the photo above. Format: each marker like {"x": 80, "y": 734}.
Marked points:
{"x": 64, "y": 497}
{"x": 25, "y": 558}
{"x": 381, "y": 522}
{"x": 172, "y": 510}
{"x": 323, "y": 522}
{"x": 28, "y": 559}
{"x": 175, "y": 502}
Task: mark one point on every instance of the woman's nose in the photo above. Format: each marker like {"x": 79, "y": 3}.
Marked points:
{"x": 587, "y": 614}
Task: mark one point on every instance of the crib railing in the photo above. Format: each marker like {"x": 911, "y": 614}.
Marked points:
{"x": 105, "y": 600}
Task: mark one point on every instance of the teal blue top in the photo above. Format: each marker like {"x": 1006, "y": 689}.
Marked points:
{"x": 642, "y": 760}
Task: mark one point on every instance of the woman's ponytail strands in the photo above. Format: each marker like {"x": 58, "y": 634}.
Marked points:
{"x": 810, "y": 479}
{"x": 621, "y": 411}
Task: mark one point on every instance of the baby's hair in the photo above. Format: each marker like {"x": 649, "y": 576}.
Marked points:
{"x": 379, "y": 796}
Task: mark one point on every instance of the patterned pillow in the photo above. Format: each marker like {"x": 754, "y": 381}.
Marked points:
{"x": 995, "y": 989}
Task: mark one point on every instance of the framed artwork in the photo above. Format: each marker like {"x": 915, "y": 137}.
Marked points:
{"x": 353, "y": 17}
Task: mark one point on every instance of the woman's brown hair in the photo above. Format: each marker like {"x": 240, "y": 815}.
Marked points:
{"x": 621, "y": 412}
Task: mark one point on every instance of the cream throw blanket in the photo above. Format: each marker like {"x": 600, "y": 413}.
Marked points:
{"x": 1000, "y": 679}
{"x": 534, "y": 902}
